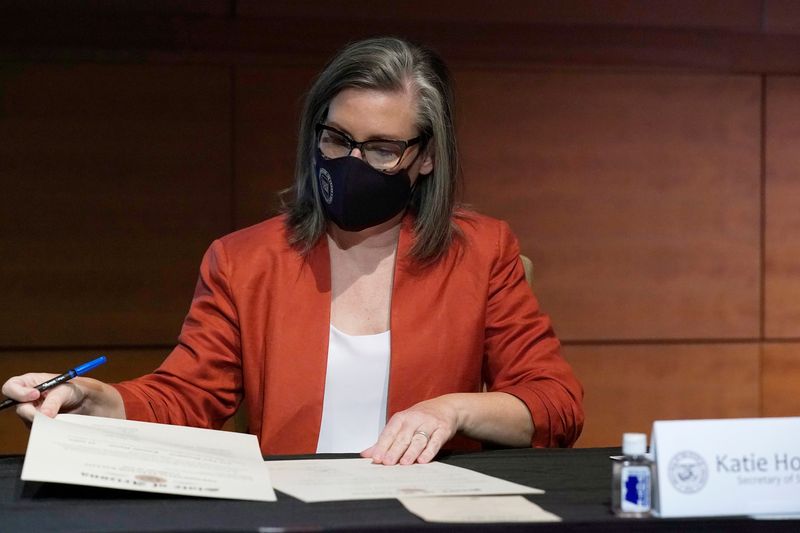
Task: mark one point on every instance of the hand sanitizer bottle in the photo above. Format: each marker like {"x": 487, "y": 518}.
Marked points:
{"x": 632, "y": 478}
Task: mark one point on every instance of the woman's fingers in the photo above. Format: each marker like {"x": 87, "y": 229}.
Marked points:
{"x": 26, "y": 412}
{"x": 21, "y": 388}
{"x": 57, "y": 397}
{"x": 415, "y": 435}
{"x": 420, "y": 441}
{"x": 50, "y": 403}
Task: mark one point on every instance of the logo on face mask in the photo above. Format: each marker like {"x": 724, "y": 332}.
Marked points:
{"x": 326, "y": 186}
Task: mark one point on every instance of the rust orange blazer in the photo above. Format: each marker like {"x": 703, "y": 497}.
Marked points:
{"x": 258, "y": 329}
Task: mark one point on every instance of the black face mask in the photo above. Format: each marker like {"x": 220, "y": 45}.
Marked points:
{"x": 355, "y": 196}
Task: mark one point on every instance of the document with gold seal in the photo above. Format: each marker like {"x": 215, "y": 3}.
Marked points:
{"x": 146, "y": 457}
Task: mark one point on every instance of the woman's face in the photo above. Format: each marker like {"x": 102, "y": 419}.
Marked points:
{"x": 366, "y": 114}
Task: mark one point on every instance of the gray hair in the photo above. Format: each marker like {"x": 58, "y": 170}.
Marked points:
{"x": 383, "y": 64}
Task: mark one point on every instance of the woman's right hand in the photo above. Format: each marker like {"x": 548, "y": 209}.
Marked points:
{"x": 81, "y": 395}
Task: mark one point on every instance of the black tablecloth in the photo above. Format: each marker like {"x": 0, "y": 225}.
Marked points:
{"x": 577, "y": 484}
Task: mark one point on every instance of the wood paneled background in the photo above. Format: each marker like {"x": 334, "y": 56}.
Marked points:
{"x": 646, "y": 153}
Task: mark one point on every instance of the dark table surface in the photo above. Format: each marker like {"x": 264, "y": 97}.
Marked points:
{"x": 577, "y": 484}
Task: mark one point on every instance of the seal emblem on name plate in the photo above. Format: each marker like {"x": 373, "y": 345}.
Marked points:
{"x": 688, "y": 472}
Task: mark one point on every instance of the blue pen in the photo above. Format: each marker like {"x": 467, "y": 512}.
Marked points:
{"x": 58, "y": 380}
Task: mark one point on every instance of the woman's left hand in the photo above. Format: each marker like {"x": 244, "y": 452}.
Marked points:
{"x": 416, "y": 434}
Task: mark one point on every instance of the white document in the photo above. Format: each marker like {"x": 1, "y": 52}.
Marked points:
{"x": 146, "y": 457}
{"x": 322, "y": 480}
{"x": 477, "y": 509}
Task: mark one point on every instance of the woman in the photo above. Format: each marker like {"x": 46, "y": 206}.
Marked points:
{"x": 371, "y": 298}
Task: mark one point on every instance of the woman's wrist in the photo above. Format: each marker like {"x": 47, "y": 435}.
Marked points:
{"x": 100, "y": 399}
{"x": 492, "y": 416}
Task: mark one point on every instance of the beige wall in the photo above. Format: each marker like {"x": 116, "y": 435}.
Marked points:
{"x": 646, "y": 157}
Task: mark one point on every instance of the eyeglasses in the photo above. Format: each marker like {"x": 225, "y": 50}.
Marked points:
{"x": 380, "y": 154}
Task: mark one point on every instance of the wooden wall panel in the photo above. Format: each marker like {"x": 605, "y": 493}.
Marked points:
{"x": 122, "y": 364}
{"x": 782, "y": 16}
{"x": 782, "y": 276}
{"x": 780, "y": 379}
{"x": 729, "y": 14}
{"x": 115, "y": 179}
{"x": 636, "y": 196}
{"x": 627, "y": 387}
{"x": 268, "y": 106}
{"x": 161, "y": 7}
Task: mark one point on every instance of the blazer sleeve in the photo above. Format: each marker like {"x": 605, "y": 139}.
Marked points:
{"x": 523, "y": 354}
{"x": 200, "y": 382}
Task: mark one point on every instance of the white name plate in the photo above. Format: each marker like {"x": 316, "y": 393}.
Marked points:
{"x": 744, "y": 466}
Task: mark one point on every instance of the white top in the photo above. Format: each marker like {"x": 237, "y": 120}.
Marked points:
{"x": 356, "y": 392}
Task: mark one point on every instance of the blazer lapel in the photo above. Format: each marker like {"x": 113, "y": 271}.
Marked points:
{"x": 295, "y": 373}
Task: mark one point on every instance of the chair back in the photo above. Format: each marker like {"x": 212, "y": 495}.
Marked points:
{"x": 527, "y": 264}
